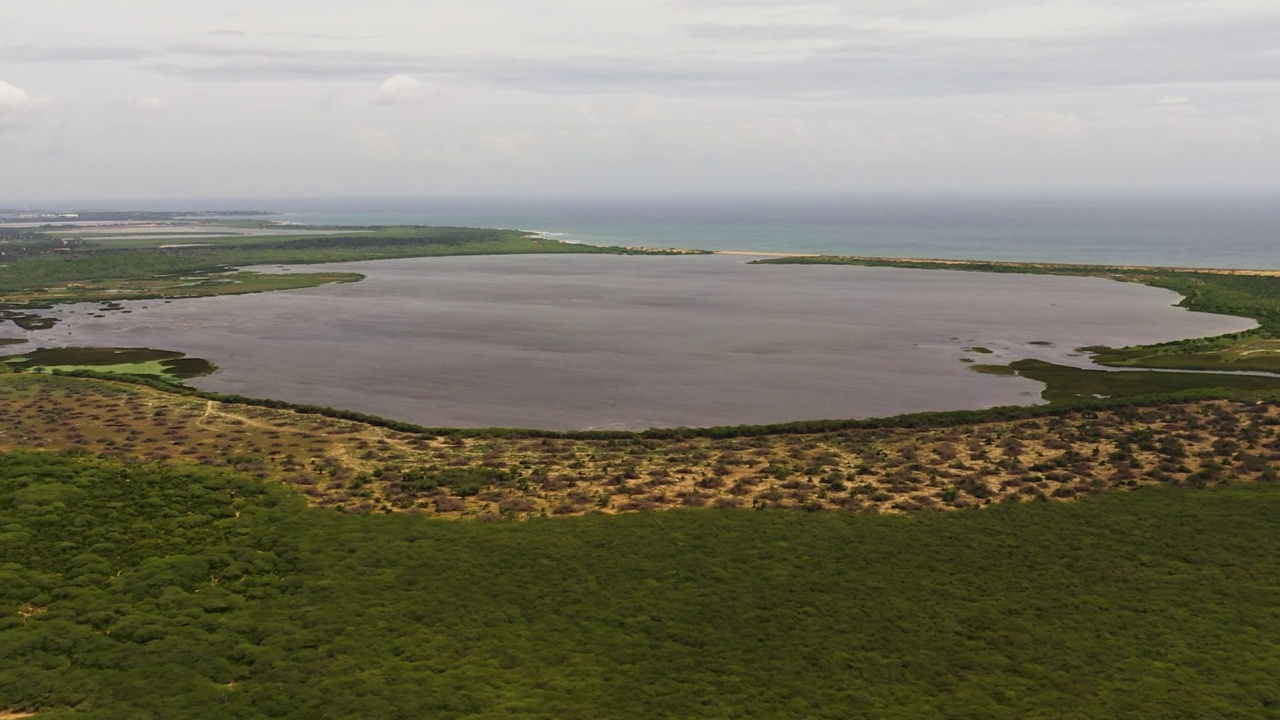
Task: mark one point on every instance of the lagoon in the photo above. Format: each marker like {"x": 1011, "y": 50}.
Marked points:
{"x": 576, "y": 342}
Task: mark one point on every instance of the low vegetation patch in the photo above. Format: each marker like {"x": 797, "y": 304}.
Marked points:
{"x": 932, "y": 461}
{"x": 1064, "y": 384}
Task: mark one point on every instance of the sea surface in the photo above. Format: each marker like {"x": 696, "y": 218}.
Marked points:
{"x": 575, "y": 342}
{"x": 1185, "y": 230}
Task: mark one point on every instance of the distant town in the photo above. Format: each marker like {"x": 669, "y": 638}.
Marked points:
{"x": 57, "y": 216}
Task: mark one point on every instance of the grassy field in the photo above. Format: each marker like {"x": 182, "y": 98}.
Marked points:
{"x": 1247, "y": 293}
{"x": 1254, "y": 351}
{"x": 154, "y": 591}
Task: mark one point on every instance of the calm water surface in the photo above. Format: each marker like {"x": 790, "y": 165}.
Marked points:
{"x": 1180, "y": 229}
{"x": 635, "y": 342}
{"x": 1177, "y": 228}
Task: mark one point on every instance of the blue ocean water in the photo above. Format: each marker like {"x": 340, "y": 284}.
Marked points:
{"x": 1186, "y": 230}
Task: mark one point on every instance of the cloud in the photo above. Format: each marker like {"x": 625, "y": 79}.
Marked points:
{"x": 781, "y": 31}
{"x": 71, "y": 53}
{"x": 511, "y": 144}
{"x": 16, "y": 106}
{"x": 1038, "y": 124}
{"x": 907, "y": 9}
{"x": 401, "y": 90}
{"x": 309, "y": 36}
{"x": 377, "y": 143}
{"x": 148, "y": 104}
{"x": 15, "y": 99}
{"x": 323, "y": 36}
{"x": 861, "y": 63}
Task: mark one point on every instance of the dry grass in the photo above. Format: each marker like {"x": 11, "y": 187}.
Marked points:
{"x": 357, "y": 467}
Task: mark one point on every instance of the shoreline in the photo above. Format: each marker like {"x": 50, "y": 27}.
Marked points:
{"x": 1011, "y": 263}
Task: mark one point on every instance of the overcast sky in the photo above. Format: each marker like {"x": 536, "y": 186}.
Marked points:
{"x": 238, "y": 98}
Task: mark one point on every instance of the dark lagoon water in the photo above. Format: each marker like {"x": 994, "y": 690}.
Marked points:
{"x": 636, "y": 342}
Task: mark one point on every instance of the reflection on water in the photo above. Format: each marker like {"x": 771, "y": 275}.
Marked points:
{"x": 634, "y": 342}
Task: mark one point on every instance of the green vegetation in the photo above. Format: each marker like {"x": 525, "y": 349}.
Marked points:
{"x": 168, "y": 366}
{"x": 994, "y": 370}
{"x": 1243, "y": 293}
{"x": 80, "y": 270}
{"x": 1256, "y": 351}
{"x": 1070, "y": 385}
{"x": 136, "y": 591}
{"x": 912, "y": 463}
{"x": 200, "y": 587}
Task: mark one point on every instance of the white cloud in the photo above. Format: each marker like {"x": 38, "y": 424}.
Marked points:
{"x": 402, "y": 90}
{"x": 151, "y": 103}
{"x": 569, "y": 96}
{"x": 1039, "y": 124}
{"x": 14, "y": 98}
{"x": 16, "y": 105}
{"x": 511, "y": 145}
{"x": 1175, "y": 104}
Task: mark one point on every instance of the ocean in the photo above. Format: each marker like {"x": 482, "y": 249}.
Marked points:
{"x": 1209, "y": 230}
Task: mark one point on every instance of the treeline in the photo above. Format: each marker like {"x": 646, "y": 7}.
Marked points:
{"x": 1253, "y": 296}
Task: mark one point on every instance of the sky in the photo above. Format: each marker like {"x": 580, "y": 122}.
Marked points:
{"x": 308, "y": 98}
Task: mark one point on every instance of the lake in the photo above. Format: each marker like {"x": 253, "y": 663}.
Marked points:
{"x": 575, "y": 342}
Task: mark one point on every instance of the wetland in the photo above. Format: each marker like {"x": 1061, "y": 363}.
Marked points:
{"x": 174, "y": 552}
{"x": 619, "y": 342}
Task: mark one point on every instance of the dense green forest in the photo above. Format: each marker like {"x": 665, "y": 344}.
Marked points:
{"x": 156, "y": 591}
